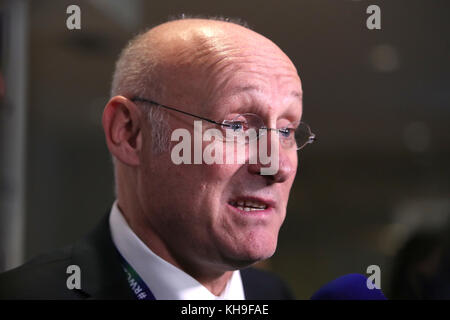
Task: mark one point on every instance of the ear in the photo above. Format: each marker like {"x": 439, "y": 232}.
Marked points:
{"x": 123, "y": 132}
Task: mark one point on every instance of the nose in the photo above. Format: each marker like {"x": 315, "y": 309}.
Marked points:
{"x": 287, "y": 163}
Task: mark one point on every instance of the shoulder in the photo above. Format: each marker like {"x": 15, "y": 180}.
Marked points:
{"x": 264, "y": 285}
{"x": 44, "y": 276}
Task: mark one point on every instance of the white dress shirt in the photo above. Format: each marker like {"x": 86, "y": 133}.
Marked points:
{"x": 165, "y": 281}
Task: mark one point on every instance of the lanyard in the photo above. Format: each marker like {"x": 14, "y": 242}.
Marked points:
{"x": 137, "y": 285}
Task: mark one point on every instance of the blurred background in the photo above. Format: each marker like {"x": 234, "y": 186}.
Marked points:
{"x": 373, "y": 190}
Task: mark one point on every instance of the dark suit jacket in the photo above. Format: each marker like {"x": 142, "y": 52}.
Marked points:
{"x": 102, "y": 276}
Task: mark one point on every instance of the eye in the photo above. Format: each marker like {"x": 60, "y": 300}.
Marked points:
{"x": 286, "y": 132}
{"x": 237, "y": 125}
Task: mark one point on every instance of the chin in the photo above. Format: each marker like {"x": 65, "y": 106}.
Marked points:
{"x": 252, "y": 252}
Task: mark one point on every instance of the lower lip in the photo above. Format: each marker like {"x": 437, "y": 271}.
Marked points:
{"x": 254, "y": 213}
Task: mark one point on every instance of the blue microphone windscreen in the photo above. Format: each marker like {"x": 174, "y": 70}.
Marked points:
{"x": 348, "y": 287}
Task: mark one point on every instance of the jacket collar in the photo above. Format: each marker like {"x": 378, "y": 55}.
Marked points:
{"x": 102, "y": 276}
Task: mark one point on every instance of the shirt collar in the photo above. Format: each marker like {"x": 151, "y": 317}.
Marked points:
{"x": 166, "y": 281}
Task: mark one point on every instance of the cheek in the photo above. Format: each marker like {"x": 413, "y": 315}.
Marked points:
{"x": 294, "y": 163}
{"x": 219, "y": 173}
{"x": 215, "y": 186}
{"x": 199, "y": 188}
{"x": 294, "y": 159}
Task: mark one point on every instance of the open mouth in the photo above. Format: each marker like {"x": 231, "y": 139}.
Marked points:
{"x": 249, "y": 205}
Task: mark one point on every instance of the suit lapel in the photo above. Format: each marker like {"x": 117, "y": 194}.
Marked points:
{"x": 102, "y": 276}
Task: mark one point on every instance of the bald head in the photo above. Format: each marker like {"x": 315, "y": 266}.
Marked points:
{"x": 172, "y": 54}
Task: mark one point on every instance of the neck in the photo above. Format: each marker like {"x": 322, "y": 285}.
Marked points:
{"x": 213, "y": 279}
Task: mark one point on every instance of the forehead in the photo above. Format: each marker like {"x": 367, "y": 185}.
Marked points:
{"x": 259, "y": 78}
{"x": 209, "y": 66}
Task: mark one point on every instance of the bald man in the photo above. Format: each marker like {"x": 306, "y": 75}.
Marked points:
{"x": 186, "y": 229}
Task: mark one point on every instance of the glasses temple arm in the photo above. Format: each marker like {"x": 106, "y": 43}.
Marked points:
{"x": 186, "y": 113}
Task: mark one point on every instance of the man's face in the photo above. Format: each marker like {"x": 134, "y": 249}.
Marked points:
{"x": 196, "y": 209}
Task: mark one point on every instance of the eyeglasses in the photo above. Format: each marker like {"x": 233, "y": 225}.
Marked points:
{"x": 296, "y": 133}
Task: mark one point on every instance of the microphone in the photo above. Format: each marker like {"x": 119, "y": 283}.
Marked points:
{"x": 349, "y": 287}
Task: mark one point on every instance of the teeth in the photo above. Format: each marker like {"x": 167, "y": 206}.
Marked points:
{"x": 249, "y": 205}
{"x": 255, "y": 205}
